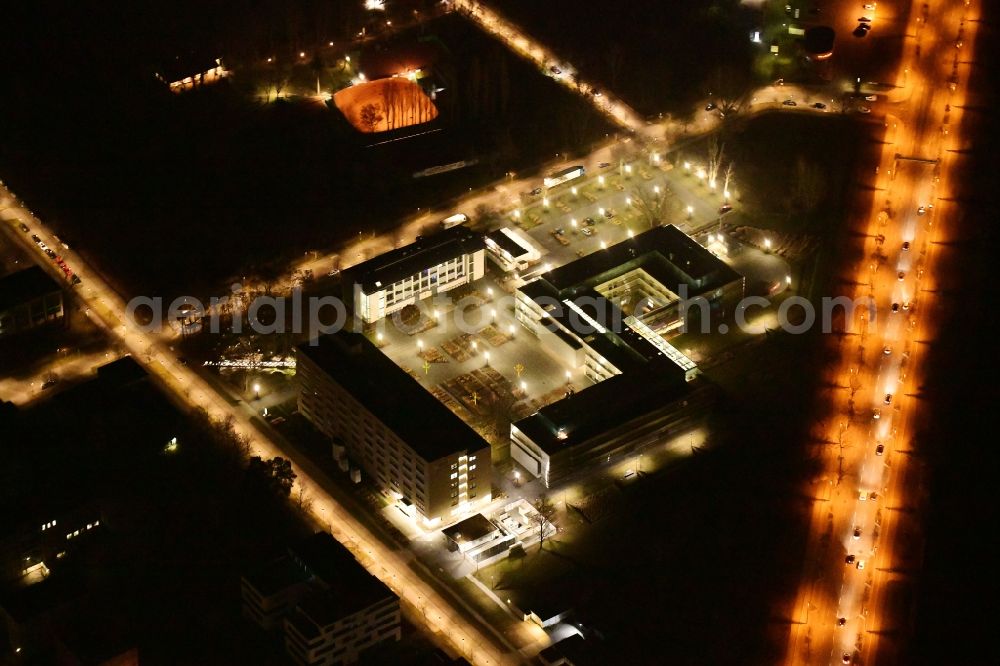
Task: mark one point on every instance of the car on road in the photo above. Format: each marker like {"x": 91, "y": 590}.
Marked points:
{"x": 609, "y": 213}
{"x": 841, "y": 621}
{"x": 888, "y": 399}
{"x": 870, "y": 6}
{"x": 887, "y": 350}
{"x": 921, "y": 210}
{"x": 725, "y": 208}
{"x": 861, "y": 30}
{"x": 587, "y": 231}
{"x": 75, "y": 279}
{"x": 604, "y": 165}
{"x": 864, "y": 109}
{"x": 849, "y": 559}
{"x": 880, "y": 449}
{"x": 895, "y": 307}
{"x": 845, "y": 658}
{"x": 24, "y": 227}
{"x": 901, "y": 275}
{"x": 861, "y": 565}
{"x": 558, "y": 231}
{"x": 906, "y": 305}
{"x": 589, "y": 221}
{"x": 35, "y": 238}
{"x": 789, "y": 102}
{"x": 595, "y": 92}
{"x": 50, "y": 252}
{"x": 857, "y": 533}
{"x": 877, "y": 414}
{"x": 871, "y": 98}
{"x": 906, "y": 245}
{"x": 710, "y": 106}
{"x": 49, "y": 383}
{"x": 555, "y": 70}
{"x": 864, "y": 19}
{"x": 819, "y": 105}
{"x": 535, "y": 192}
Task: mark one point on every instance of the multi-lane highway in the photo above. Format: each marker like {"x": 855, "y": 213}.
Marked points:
{"x": 841, "y": 615}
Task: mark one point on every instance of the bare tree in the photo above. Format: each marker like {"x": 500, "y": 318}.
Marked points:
{"x": 371, "y": 116}
{"x": 729, "y": 177}
{"x": 808, "y": 185}
{"x": 716, "y": 151}
{"x": 544, "y": 511}
{"x": 654, "y": 207}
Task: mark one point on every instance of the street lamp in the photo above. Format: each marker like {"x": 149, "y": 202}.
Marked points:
{"x": 256, "y": 391}
{"x": 767, "y": 243}
{"x": 420, "y": 344}
{"x": 572, "y": 222}
{"x": 510, "y": 329}
{"x": 604, "y": 246}
{"x": 486, "y": 355}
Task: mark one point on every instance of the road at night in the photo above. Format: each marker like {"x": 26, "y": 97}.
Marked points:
{"x": 841, "y": 614}
{"x": 429, "y": 609}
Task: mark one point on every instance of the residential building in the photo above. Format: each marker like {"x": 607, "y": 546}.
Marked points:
{"x": 29, "y": 299}
{"x": 428, "y": 266}
{"x": 412, "y": 446}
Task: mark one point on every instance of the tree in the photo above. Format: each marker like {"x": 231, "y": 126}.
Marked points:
{"x": 275, "y": 475}
{"x": 654, "y": 207}
{"x": 716, "y": 151}
{"x": 544, "y": 511}
{"x": 808, "y": 185}
{"x": 371, "y": 116}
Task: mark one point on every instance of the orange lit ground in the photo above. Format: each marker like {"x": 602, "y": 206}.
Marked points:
{"x": 400, "y": 102}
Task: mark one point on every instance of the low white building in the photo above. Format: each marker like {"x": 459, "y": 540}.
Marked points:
{"x": 428, "y": 266}
{"x": 511, "y": 250}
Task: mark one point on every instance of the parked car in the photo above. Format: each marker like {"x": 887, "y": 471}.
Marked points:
{"x": 24, "y": 227}
{"x": 819, "y": 105}
{"x": 880, "y": 449}
{"x": 725, "y": 208}
{"x": 710, "y": 106}
{"x": 789, "y": 102}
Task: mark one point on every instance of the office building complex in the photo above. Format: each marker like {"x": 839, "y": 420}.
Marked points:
{"x": 410, "y": 444}
{"x": 605, "y": 315}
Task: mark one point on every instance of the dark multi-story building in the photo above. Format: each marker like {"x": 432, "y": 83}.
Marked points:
{"x": 29, "y": 299}
{"x": 328, "y": 606}
{"x": 410, "y": 444}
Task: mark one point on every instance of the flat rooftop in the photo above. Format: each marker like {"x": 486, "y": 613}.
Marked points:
{"x": 393, "y": 396}
{"x": 471, "y": 529}
{"x": 24, "y": 286}
{"x": 426, "y": 251}
{"x": 668, "y": 254}
{"x": 347, "y": 586}
{"x": 602, "y": 407}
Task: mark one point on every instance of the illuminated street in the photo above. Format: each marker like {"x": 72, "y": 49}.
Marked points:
{"x": 882, "y": 356}
{"x": 428, "y": 607}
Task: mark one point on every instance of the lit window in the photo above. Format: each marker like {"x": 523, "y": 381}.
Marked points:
{"x": 76, "y": 533}
{"x": 96, "y": 523}
{"x": 454, "y": 475}
{"x": 44, "y": 526}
